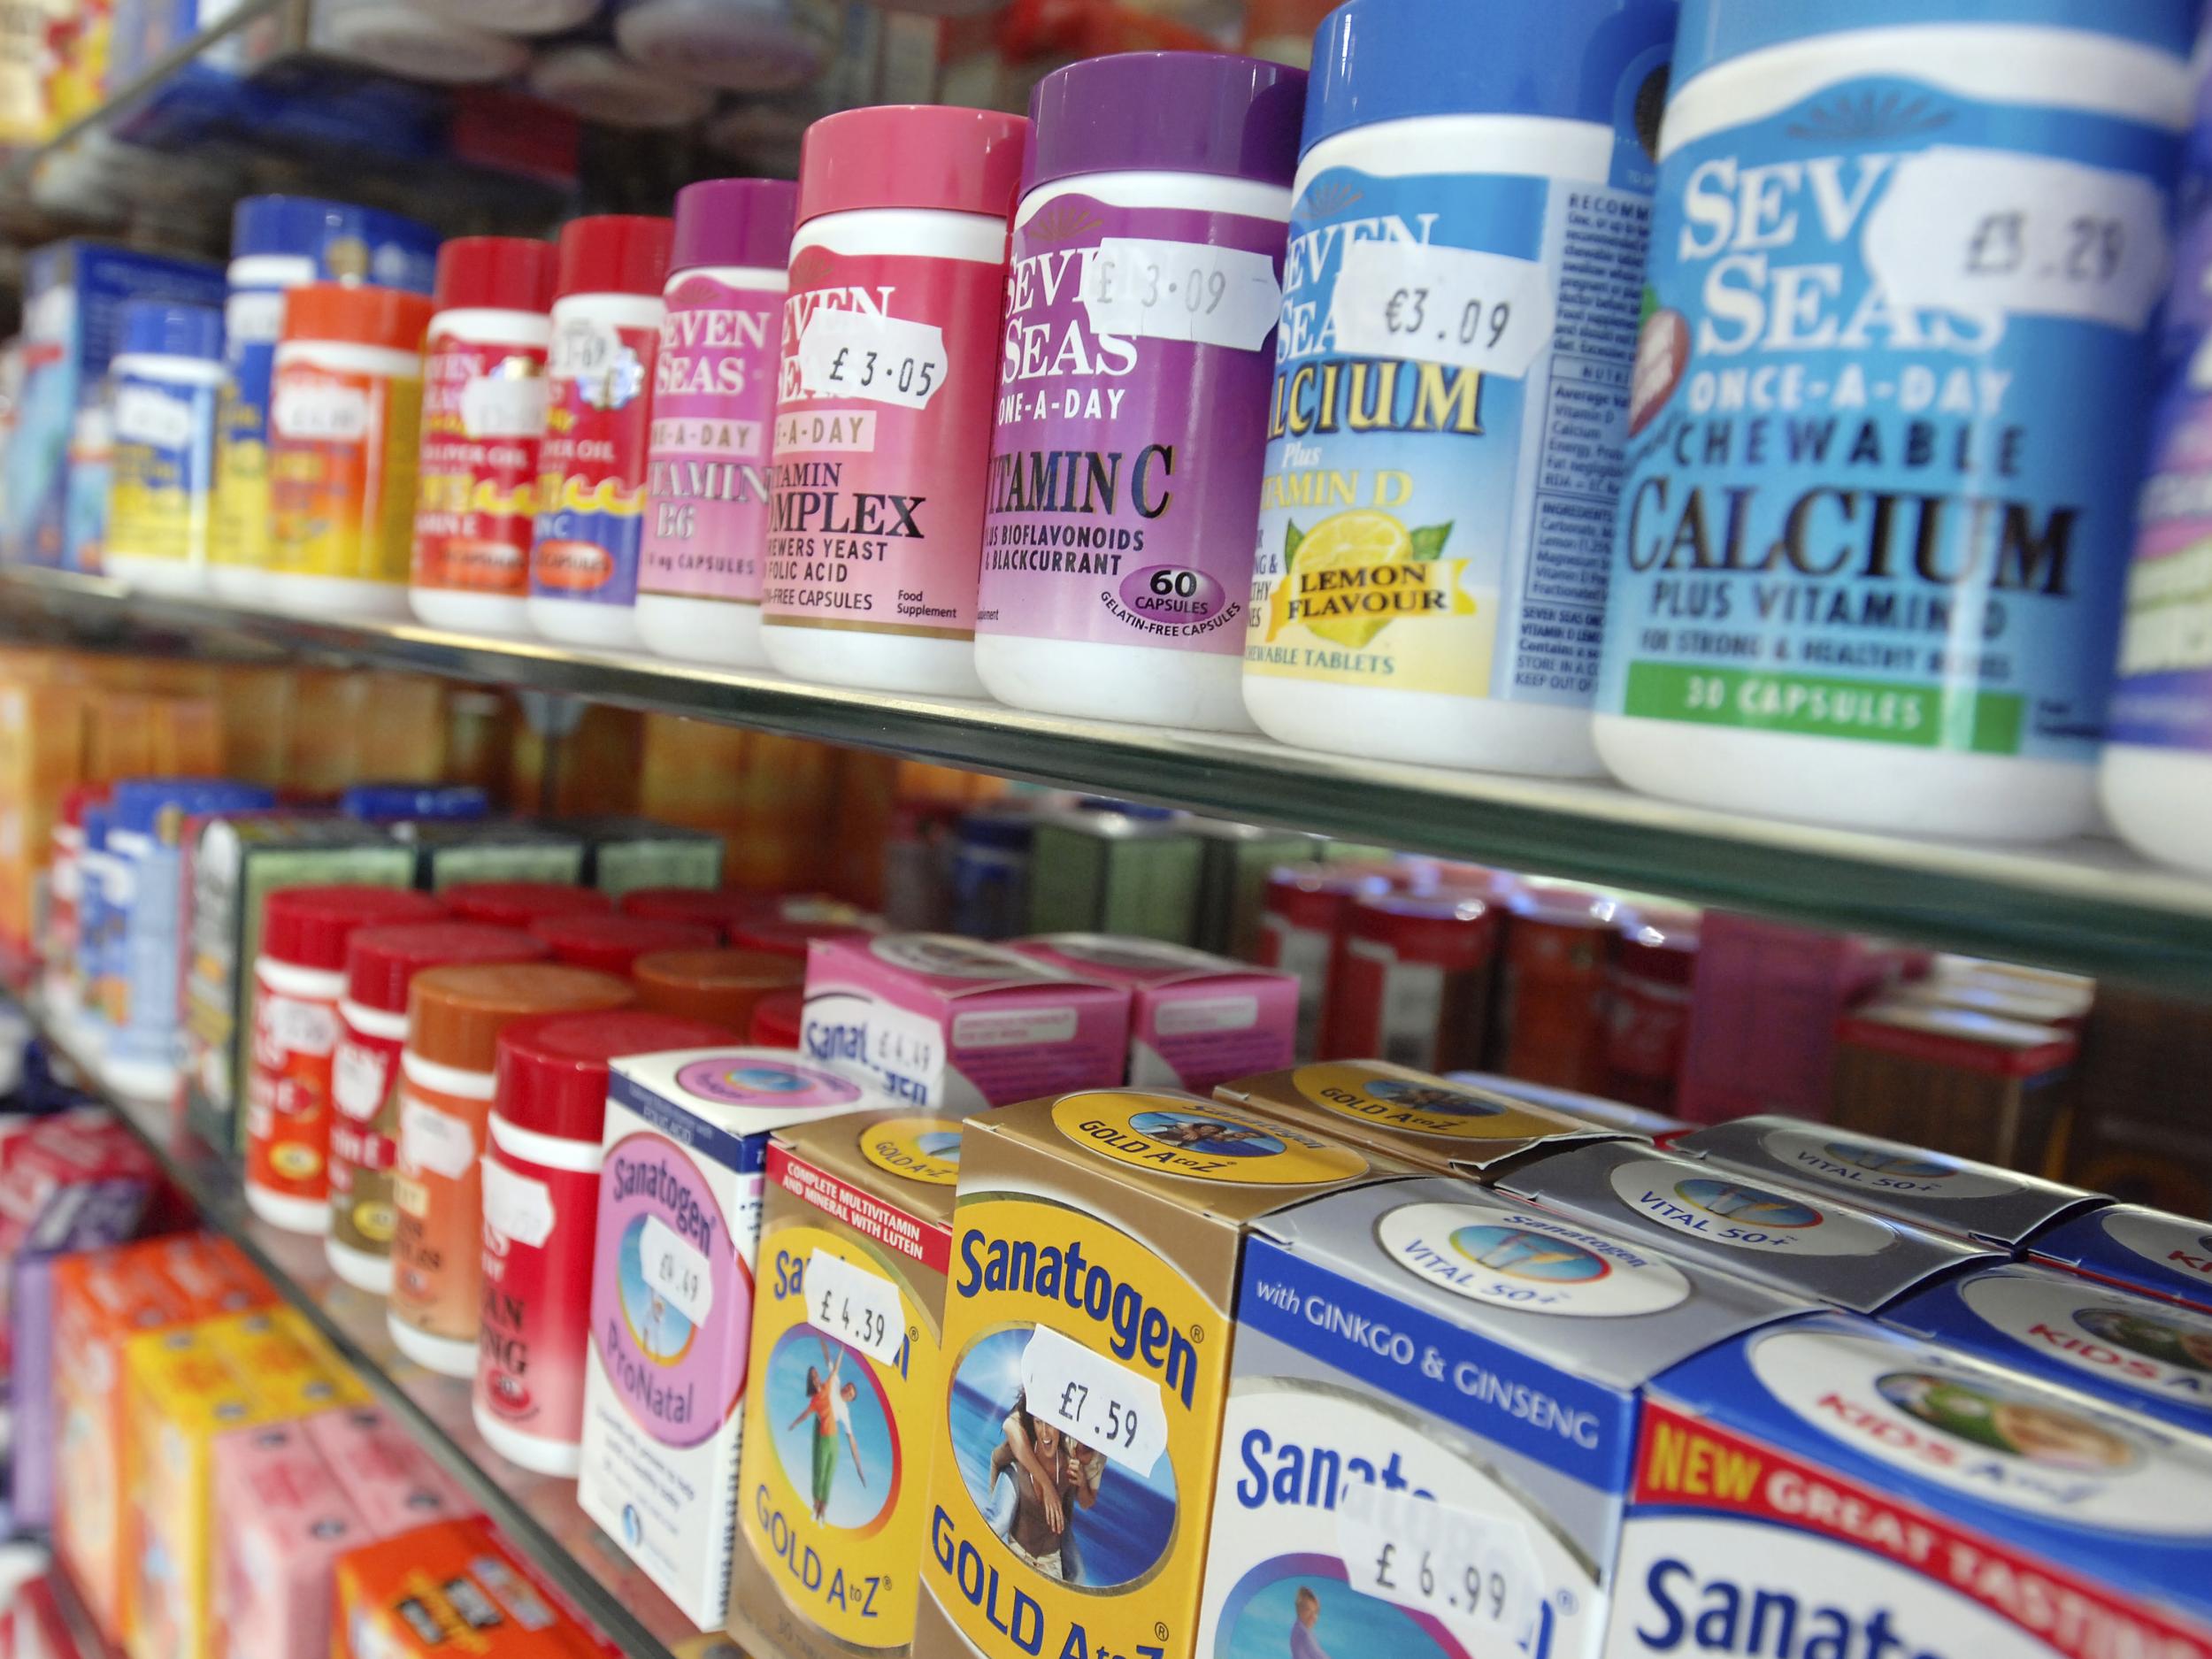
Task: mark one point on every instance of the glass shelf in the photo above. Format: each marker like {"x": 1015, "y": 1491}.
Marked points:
{"x": 537, "y": 1513}
{"x": 2089, "y": 906}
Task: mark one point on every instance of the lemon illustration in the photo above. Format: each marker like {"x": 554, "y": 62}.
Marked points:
{"x": 1358, "y": 540}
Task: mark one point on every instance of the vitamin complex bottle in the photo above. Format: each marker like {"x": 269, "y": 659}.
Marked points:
{"x": 1144, "y": 286}
{"x": 714, "y": 403}
{"x": 281, "y": 243}
{"x": 161, "y": 487}
{"x": 1883, "y": 442}
{"x": 883, "y": 424}
{"x": 345, "y": 425}
{"x": 1451, "y": 377}
{"x": 591, "y": 466}
{"x": 484, "y": 388}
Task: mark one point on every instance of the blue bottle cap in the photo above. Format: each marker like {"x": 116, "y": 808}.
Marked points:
{"x": 163, "y": 328}
{"x": 382, "y": 802}
{"x": 347, "y": 243}
{"x": 1388, "y": 60}
{"x": 1008, "y": 831}
{"x": 1714, "y": 30}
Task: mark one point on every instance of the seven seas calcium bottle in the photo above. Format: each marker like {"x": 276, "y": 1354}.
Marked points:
{"x": 1882, "y": 442}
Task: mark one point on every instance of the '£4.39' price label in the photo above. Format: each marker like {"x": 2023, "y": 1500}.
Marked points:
{"x": 855, "y": 1305}
{"x": 1100, "y": 1405}
{"x": 1477, "y": 1573}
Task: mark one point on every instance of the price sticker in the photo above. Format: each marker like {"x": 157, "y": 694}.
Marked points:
{"x": 675, "y": 1270}
{"x": 1093, "y": 1401}
{"x": 877, "y": 359}
{"x": 1478, "y": 1573}
{"x": 1436, "y": 304}
{"x": 1987, "y": 231}
{"x": 144, "y": 415}
{"x": 1150, "y": 288}
{"x": 855, "y": 1305}
{"x": 516, "y": 1207}
{"x": 434, "y": 1141}
{"x": 500, "y": 405}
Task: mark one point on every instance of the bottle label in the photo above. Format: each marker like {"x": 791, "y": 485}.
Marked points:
{"x": 1859, "y": 500}
{"x": 883, "y": 432}
{"x": 287, "y": 1093}
{"x": 539, "y": 1229}
{"x": 2164, "y": 695}
{"x": 483, "y": 410}
{"x": 160, "y": 493}
{"x": 1444, "y": 433}
{"x": 437, "y": 1202}
{"x": 714, "y": 404}
{"x": 252, "y": 319}
{"x": 591, "y": 467}
{"x": 343, "y": 451}
{"x": 1131, "y": 426}
{"x": 363, "y": 1083}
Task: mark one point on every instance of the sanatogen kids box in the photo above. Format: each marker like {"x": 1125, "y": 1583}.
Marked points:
{"x": 2148, "y": 1251}
{"x": 1087, "y": 1337}
{"x": 1827, "y": 1489}
{"x": 856, "y": 1237}
{"x": 1431, "y": 1416}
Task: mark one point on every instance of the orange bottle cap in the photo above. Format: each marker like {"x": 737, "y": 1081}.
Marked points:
{"x": 349, "y": 314}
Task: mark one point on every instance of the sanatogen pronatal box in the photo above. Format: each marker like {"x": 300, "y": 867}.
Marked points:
{"x": 1430, "y": 1421}
{"x": 1827, "y": 1489}
{"x": 1954, "y": 1196}
{"x": 2148, "y": 1251}
{"x": 1088, "y": 1335}
{"x": 1785, "y": 1238}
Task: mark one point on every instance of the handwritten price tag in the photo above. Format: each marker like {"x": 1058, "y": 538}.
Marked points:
{"x": 1477, "y": 1573}
{"x": 434, "y": 1141}
{"x": 1435, "y": 304}
{"x": 1093, "y": 1401}
{"x": 516, "y": 1206}
{"x": 676, "y": 1270}
{"x": 1990, "y": 230}
{"x": 880, "y": 359}
{"x": 1156, "y": 289}
{"x": 855, "y": 1305}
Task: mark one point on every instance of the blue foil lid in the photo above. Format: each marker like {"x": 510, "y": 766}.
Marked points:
{"x": 138, "y": 802}
{"x": 1714, "y": 30}
{"x": 162, "y": 328}
{"x": 378, "y": 802}
{"x": 1387, "y": 60}
{"x": 347, "y": 243}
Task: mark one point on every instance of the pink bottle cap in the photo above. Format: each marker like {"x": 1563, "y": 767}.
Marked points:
{"x": 912, "y": 154}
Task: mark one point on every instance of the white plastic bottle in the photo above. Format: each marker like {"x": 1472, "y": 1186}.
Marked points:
{"x": 591, "y": 466}
{"x": 1883, "y": 441}
{"x": 1459, "y": 306}
{"x": 1142, "y": 296}
{"x": 714, "y": 404}
{"x": 161, "y": 490}
{"x": 883, "y": 424}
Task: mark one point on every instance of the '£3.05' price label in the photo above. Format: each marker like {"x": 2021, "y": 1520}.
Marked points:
{"x": 855, "y": 1304}
{"x": 1477, "y": 1573}
{"x": 1100, "y": 1405}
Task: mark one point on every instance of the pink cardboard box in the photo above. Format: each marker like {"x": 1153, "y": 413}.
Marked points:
{"x": 283, "y": 1520}
{"x": 390, "y": 1480}
{"x": 1195, "y": 1019}
{"x": 949, "y": 1025}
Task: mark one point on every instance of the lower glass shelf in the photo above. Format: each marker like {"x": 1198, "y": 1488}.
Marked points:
{"x": 537, "y": 1512}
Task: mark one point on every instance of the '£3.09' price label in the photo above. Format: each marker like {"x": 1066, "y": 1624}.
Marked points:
{"x": 1477, "y": 1573}
{"x": 855, "y": 1305}
{"x": 1100, "y": 1405}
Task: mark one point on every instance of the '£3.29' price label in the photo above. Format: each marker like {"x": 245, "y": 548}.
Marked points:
{"x": 1477, "y": 1573}
{"x": 1098, "y": 1403}
{"x": 855, "y": 1304}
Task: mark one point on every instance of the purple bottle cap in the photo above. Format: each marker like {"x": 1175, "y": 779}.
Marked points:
{"x": 734, "y": 221}
{"x": 1167, "y": 112}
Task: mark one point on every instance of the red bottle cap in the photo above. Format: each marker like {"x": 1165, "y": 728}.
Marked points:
{"x": 352, "y": 315}
{"x": 612, "y": 944}
{"x": 1456, "y": 929}
{"x": 718, "y": 907}
{"x": 1316, "y": 895}
{"x": 308, "y": 928}
{"x": 551, "y": 1074}
{"x": 777, "y": 1018}
{"x": 504, "y": 273}
{"x": 381, "y": 962}
{"x": 615, "y": 253}
{"x": 912, "y": 154}
{"x": 791, "y": 938}
{"x": 519, "y": 904}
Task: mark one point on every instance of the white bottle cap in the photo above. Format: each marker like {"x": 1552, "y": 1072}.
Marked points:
{"x": 604, "y": 86}
{"x": 737, "y": 45}
{"x": 420, "y": 45}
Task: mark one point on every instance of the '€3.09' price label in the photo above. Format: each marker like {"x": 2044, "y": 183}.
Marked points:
{"x": 1100, "y": 1405}
{"x": 858, "y": 1307}
{"x": 1477, "y": 1573}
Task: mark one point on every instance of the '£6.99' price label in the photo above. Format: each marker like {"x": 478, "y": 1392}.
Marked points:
{"x": 1475, "y": 1572}
{"x": 1100, "y": 1405}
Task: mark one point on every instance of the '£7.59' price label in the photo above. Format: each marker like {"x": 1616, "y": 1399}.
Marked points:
{"x": 1100, "y": 1405}
{"x": 1477, "y": 1573}
{"x": 858, "y": 1307}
